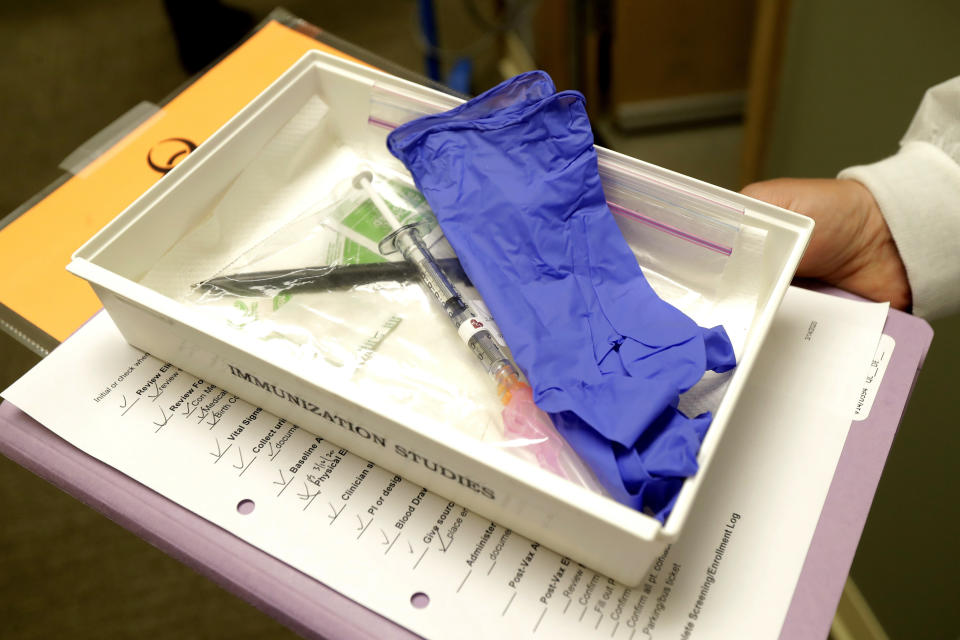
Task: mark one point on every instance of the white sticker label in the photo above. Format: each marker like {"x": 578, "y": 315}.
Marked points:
{"x": 470, "y": 327}
{"x": 878, "y": 366}
{"x": 483, "y": 315}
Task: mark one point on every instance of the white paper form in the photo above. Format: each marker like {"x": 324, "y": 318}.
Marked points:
{"x": 379, "y": 539}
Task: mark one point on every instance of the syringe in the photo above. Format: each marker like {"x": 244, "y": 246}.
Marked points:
{"x": 522, "y": 418}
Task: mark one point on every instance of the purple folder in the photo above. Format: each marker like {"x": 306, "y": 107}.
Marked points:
{"x": 314, "y": 610}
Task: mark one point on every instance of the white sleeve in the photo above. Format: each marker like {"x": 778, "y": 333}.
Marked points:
{"x": 918, "y": 191}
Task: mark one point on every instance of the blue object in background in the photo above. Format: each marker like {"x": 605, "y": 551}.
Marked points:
{"x": 428, "y": 26}
{"x": 512, "y": 178}
{"x": 459, "y": 77}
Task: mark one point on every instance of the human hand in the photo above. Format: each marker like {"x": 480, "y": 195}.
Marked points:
{"x": 851, "y": 245}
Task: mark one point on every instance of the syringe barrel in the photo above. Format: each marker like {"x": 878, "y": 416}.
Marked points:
{"x": 414, "y": 251}
{"x": 471, "y": 328}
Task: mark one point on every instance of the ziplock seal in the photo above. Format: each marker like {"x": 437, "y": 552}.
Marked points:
{"x": 706, "y": 222}
{"x": 710, "y": 223}
{"x": 677, "y": 233}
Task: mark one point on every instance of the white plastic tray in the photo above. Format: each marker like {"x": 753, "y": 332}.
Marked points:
{"x": 683, "y": 214}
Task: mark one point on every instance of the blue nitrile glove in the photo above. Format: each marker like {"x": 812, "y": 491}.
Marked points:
{"x": 512, "y": 177}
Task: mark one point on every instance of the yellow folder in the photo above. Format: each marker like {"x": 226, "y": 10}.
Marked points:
{"x": 36, "y": 247}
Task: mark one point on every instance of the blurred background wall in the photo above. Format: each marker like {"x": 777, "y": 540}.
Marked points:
{"x": 823, "y": 85}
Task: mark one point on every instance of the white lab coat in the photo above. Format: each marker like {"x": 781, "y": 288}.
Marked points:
{"x": 918, "y": 191}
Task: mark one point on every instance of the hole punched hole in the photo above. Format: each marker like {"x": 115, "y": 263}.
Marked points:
{"x": 419, "y": 600}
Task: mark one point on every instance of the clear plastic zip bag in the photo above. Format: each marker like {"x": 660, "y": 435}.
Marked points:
{"x": 323, "y": 290}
